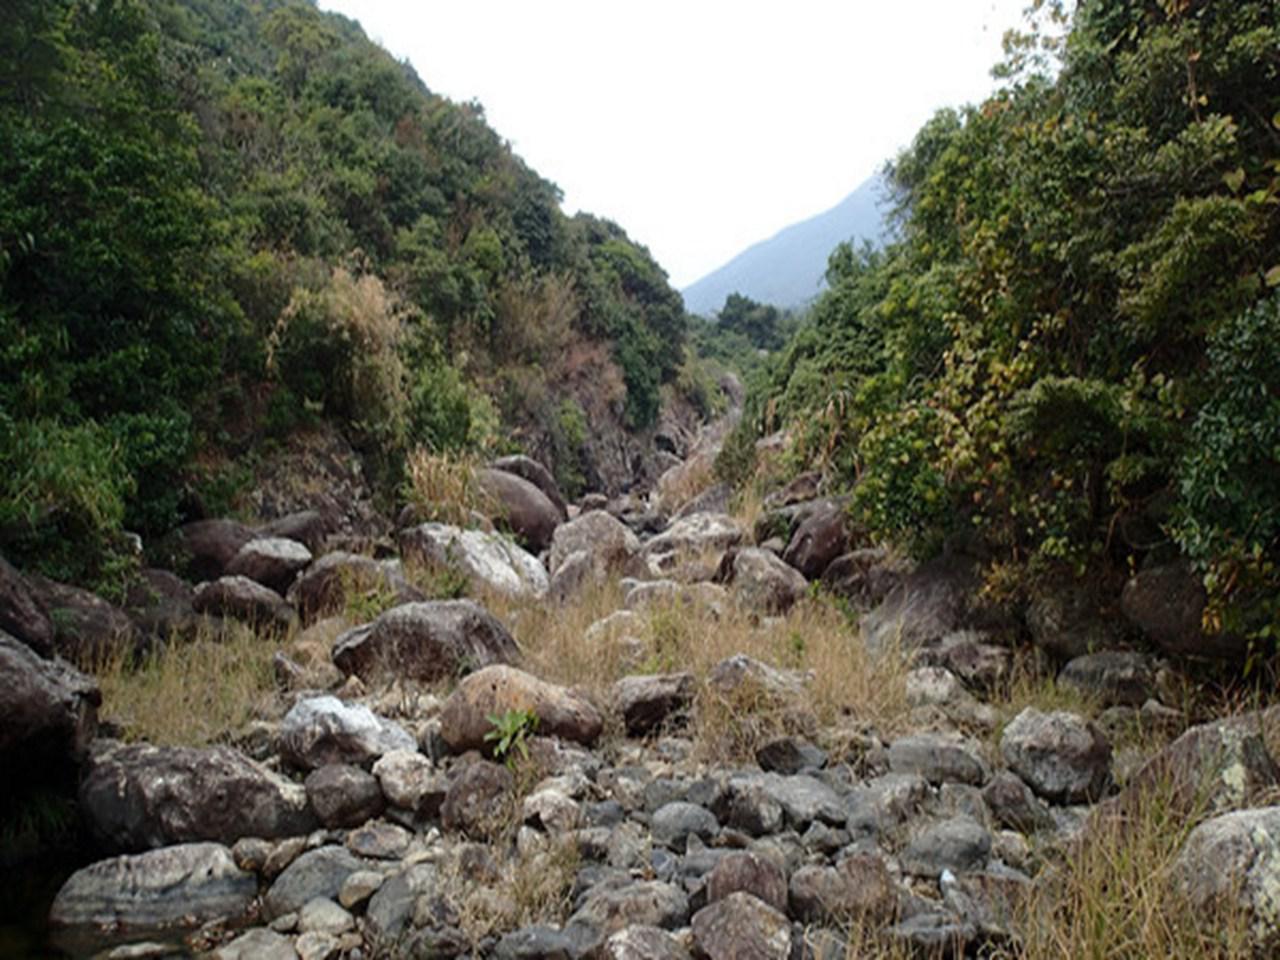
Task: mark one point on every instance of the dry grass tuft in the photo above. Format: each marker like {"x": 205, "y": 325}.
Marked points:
{"x": 446, "y": 488}
{"x": 534, "y": 888}
{"x": 192, "y": 692}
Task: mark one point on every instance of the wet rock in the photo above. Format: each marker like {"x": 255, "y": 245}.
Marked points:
{"x": 525, "y": 509}
{"x": 410, "y": 781}
{"x": 646, "y": 702}
{"x": 742, "y": 870}
{"x": 819, "y": 539}
{"x": 22, "y": 615}
{"x": 273, "y": 562}
{"x": 134, "y": 897}
{"x": 497, "y": 690}
{"x": 138, "y": 796}
{"x": 742, "y": 927}
{"x": 939, "y": 758}
{"x": 1167, "y": 604}
{"x": 960, "y": 845}
{"x": 1232, "y": 863}
{"x": 1061, "y": 756}
{"x": 317, "y": 873}
{"x": 324, "y": 586}
{"x": 50, "y": 710}
{"x": 673, "y": 824}
{"x": 859, "y": 888}
{"x": 479, "y": 802}
{"x": 488, "y": 559}
{"x": 343, "y": 795}
{"x": 761, "y": 582}
{"x": 322, "y": 730}
{"x": 426, "y": 641}
{"x": 1113, "y": 677}
{"x": 240, "y": 598}
{"x": 790, "y": 755}
{"x": 526, "y": 468}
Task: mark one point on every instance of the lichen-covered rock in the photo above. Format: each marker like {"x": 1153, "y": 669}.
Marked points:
{"x": 960, "y": 845}
{"x": 411, "y": 782}
{"x": 321, "y": 730}
{"x": 426, "y": 641}
{"x": 763, "y": 583}
{"x": 489, "y": 559}
{"x": 273, "y": 562}
{"x": 498, "y": 690}
{"x": 606, "y": 910}
{"x": 928, "y": 604}
{"x": 1062, "y": 757}
{"x": 140, "y": 796}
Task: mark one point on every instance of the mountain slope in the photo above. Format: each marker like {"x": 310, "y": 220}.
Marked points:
{"x": 787, "y": 269}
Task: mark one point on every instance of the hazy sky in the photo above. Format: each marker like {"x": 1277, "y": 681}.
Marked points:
{"x": 700, "y": 126}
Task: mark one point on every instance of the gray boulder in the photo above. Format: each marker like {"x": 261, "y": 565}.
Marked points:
{"x": 50, "y": 709}
{"x": 1062, "y": 757}
{"x": 939, "y": 758}
{"x": 150, "y": 895}
{"x": 317, "y": 873}
{"x": 240, "y": 598}
{"x": 763, "y": 583}
{"x": 819, "y": 539}
{"x": 319, "y": 731}
{"x": 22, "y": 615}
{"x": 526, "y": 468}
{"x": 426, "y": 641}
{"x": 489, "y": 559}
{"x": 602, "y": 537}
{"x": 140, "y": 796}
{"x": 525, "y": 509}
{"x": 273, "y": 562}
{"x": 960, "y": 845}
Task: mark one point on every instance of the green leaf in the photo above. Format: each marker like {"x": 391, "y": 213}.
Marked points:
{"x": 1273, "y": 276}
{"x": 1234, "y": 180}
{"x": 1275, "y": 121}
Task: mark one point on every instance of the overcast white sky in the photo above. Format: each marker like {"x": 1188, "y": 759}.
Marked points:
{"x": 700, "y": 126}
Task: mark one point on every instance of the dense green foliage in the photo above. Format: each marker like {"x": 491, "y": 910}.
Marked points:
{"x": 224, "y": 219}
{"x": 1067, "y": 357}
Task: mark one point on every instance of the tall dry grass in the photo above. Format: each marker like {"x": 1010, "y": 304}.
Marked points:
{"x": 445, "y": 487}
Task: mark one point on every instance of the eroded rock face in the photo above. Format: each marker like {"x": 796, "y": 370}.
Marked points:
{"x": 497, "y": 690}
{"x": 1061, "y": 756}
{"x": 139, "y": 797}
{"x": 50, "y": 709}
{"x": 22, "y": 615}
{"x": 322, "y": 730}
{"x": 525, "y": 509}
{"x": 154, "y": 894}
{"x": 487, "y": 558}
{"x": 1232, "y": 862}
{"x": 426, "y": 641}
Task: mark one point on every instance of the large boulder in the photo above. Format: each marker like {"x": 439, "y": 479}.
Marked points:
{"x": 50, "y": 710}
{"x": 22, "y": 615}
{"x": 497, "y": 690}
{"x": 426, "y": 641}
{"x": 140, "y": 796}
{"x": 1068, "y": 619}
{"x": 1062, "y": 757}
{"x": 150, "y": 896}
{"x": 526, "y": 468}
{"x": 325, "y": 585}
{"x": 306, "y": 527}
{"x": 820, "y": 538}
{"x": 319, "y": 731}
{"x": 240, "y": 598}
{"x": 1231, "y": 864}
{"x": 162, "y": 604}
{"x": 864, "y": 577}
{"x": 525, "y": 509}
{"x": 601, "y": 536}
{"x": 1167, "y": 604}
{"x": 690, "y": 538}
{"x": 927, "y": 604}
{"x": 204, "y": 548}
{"x": 86, "y": 629}
{"x": 271, "y": 561}
{"x": 489, "y": 559}
{"x": 761, "y": 582}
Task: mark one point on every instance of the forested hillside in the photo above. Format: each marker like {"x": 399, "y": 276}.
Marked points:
{"x": 1068, "y": 364}
{"x": 222, "y": 221}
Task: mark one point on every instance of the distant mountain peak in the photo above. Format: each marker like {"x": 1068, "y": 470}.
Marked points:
{"x": 788, "y": 269}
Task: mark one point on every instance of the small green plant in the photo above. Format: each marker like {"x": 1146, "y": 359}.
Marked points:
{"x": 510, "y": 732}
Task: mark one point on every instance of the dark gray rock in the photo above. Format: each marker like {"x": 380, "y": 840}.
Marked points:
{"x": 818, "y": 540}
{"x": 343, "y": 795}
{"x": 960, "y": 845}
{"x": 673, "y": 824}
{"x": 322, "y": 730}
{"x": 936, "y": 935}
{"x": 203, "y": 549}
{"x": 881, "y": 804}
{"x": 307, "y": 527}
{"x": 1167, "y": 604}
{"x": 136, "y": 897}
{"x": 534, "y": 943}
{"x": 522, "y": 507}
{"x": 426, "y": 641}
{"x": 939, "y": 758}
{"x": 1061, "y": 756}
{"x": 240, "y": 598}
{"x": 50, "y": 710}
{"x": 1015, "y": 805}
{"x": 928, "y": 604}
{"x": 864, "y": 577}
{"x": 1112, "y": 677}
{"x": 480, "y": 800}
{"x": 317, "y": 873}
{"x": 1067, "y": 619}
{"x": 87, "y": 630}
{"x": 802, "y": 798}
{"x": 139, "y": 796}
{"x": 162, "y": 604}
{"x": 526, "y": 468}
{"x": 273, "y": 562}
{"x": 391, "y": 907}
{"x": 324, "y": 586}
{"x": 790, "y": 755}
